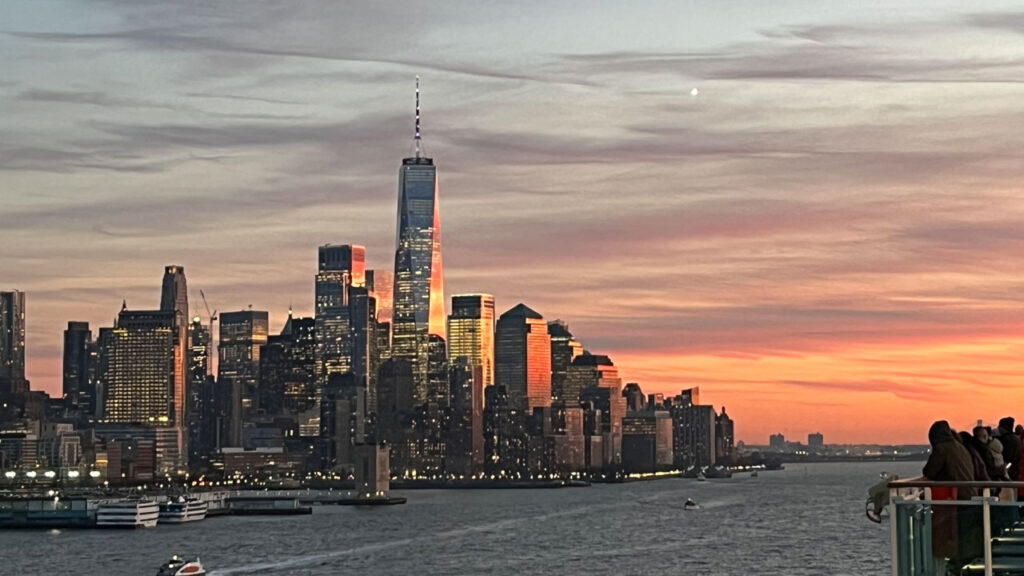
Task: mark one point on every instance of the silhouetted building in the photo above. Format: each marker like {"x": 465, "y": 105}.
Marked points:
{"x": 204, "y": 419}
{"x": 288, "y": 369}
{"x": 12, "y": 343}
{"x": 815, "y": 441}
{"x": 693, "y": 435}
{"x": 635, "y": 401}
{"x": 242, "y": 334}
{"x": 725, "y": 440}
{"x": 506, "y": 437}
{"x": 564, "y": 348}
{"x": 606, "y": 408}
{"x": 589, "y": 370}
{"x": 381, "y": 285}
{"x": 647, "y": 441}
{"x": 777, "y": 442}
{"x": 419, "y": 281}
{"x": 522, "y": 352}
{"x": 80, "y": 370}
{"x": 466, "y": 435}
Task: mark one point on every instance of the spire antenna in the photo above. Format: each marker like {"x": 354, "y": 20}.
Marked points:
{"x": 417, "y": 137}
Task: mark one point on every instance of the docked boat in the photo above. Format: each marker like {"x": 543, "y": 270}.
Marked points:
{"x": 691, "y": 505}
{"x": 134, "y": 513}
{"x": 181, "y": 510}
{"x": 178, "y": 566}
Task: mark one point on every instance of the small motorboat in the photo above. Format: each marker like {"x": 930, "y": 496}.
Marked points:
{"x": 753, "y": 474}
{"x": 691, "y": 505}
{"x": 178, "y": 566}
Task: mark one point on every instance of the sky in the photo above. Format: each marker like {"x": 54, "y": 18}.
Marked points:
{"x": 812, "y": 211}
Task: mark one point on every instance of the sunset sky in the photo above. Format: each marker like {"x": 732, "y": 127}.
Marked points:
{"x": 811, "y": 210}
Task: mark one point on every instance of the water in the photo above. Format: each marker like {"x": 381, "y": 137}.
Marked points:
{"x": 805, "y": 520}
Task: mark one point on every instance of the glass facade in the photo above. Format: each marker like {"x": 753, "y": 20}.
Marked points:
{"x": 471, "y": 333}
{"x": 339, "y": 268}
{"x": 418, "y": 304}
{"x": 174, "y": 299}
{"x": 522, "y": 358}
{"x": 242, "y": 334}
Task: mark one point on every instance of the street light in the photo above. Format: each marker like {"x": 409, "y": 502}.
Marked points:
{"x": 50, "y": 474}
{"x": 94, "y": 474}
{"x": 73, "y": 474}
{"x": 31, "y": 473}
{"x": 10, "y": 474}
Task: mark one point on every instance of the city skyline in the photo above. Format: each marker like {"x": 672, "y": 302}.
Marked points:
{"x": 817, "y": 228}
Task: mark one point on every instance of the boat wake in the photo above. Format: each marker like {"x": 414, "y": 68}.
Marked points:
{"x": 327, "y": 557}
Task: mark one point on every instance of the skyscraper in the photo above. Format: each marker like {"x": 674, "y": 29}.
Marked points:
{"x": 79, "y": 385}
{"x": 139, "y": 376}
{"x": 564, "y": 348}
{"x": 471, "y": 333}
{"x": 339, "y": 268}
{"x": 174, "y": 299}
{"x": 12, "y": 343}
{"x": 242, "y": 334}
{"x": 522, "y": 358}
{"x": 418, "y": 314}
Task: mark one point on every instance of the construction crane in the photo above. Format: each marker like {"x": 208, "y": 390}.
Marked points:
{"x": 211, "y": 316}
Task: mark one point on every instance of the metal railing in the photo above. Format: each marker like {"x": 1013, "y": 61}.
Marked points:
{"x": 947, "y": 528}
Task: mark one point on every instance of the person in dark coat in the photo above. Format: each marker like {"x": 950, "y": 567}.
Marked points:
{"x": 950, "y": 462}
{"x": 1011, "y": 447}
{"x": 977, "y": 450}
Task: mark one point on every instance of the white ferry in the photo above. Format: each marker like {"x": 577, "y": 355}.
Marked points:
{"x": 133, "y": 513}
{"x": 181, "y": 510}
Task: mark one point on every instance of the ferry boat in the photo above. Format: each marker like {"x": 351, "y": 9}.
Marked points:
{"x": 691, "y": 505}
{"x": 178, "y": 566}
{"x": 181, "y": 510}
{"x": 138, "y": 513}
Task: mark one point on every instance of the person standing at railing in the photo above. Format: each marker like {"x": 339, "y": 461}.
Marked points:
{"x": 950, "y": 462}
{"x": 976, "y": 449}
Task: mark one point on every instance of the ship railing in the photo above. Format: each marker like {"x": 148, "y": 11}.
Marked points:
{"x": 951, "y": 528}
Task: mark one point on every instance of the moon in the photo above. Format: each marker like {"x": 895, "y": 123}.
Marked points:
{"x": 694, "y": 92}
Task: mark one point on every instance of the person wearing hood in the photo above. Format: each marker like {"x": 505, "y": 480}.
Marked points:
{"x": 1011, "y": 447}
{"x": 949, "y": 461}
{"x": 952, "y": 540}
{"x": 979, "y": 452}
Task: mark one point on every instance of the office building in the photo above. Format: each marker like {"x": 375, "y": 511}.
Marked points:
{"x": 418, "y": 304}
{"x": 242, "y": 334}
{"x": 12, "y": 343}
{"x": 471, "y": 333}
{"x": 339, "y": 268}
{"x": 693, "y": 430}
{"x": 174, "y": 299}
{"x": 564, "y": 348}
{"x": 522, "y": 358}
{"x": 725, "y": 440}
{"x": 79, "y": 370}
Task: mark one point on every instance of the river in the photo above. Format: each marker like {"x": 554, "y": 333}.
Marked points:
{"x": 804, "y": 520}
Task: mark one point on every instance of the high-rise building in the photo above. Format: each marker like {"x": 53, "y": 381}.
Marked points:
{"x": 418, "y": 302}
{"x": 381, "y": 284}
{"x": 725, "y": 440}
{"x": 693, "y": 430}
{"x": 174, "y": 299}
{"x": 586, "y": 371}
{"x": 288, "y": 369}
{"x": 139, "y": 382}
{"x": 815, "y": 440}
{"x": 339, "y": 268}
{"x": 12, "y": 343}
{"x": 564, "y": 348}
{"x": 471, "y": 333}
{"x": 522, "y": 358}
{"x": 79, "y": 388}
{"x": 242, "y": 334}
{"x": 201, "y": 416}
